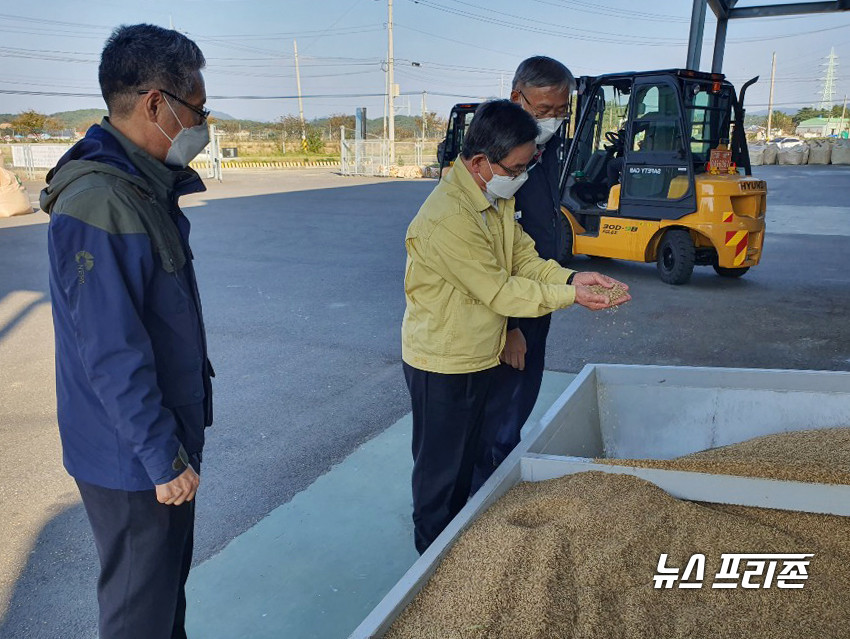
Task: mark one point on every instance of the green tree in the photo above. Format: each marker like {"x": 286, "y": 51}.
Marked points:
{"x": 782, "y": 122}
{"x": 32, "y": 122}
{"x": 291, "y": 126}
{"x": 807, "y": 113}
{"x": 336, "y": 120}
{"x": 405, "y": 131}
{"x": 435, "y": 126}
{"x": 314, "y": 141}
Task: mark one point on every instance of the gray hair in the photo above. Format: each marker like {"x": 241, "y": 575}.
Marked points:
{"x": 143, "y": 56}
{"x": 540, "y": 71}
{"x": 498, "y": 127}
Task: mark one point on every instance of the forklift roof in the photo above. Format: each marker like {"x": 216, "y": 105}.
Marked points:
{"x": 682, "y": 73}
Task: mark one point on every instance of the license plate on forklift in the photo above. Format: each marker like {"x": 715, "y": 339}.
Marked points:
{"x": 720, "y": 160}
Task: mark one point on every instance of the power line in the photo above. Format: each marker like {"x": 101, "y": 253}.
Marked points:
{"x": 456, "y": 41}
{"x": 587, "y": 7}
{"x": 587, "y": 34}
{"x": 335, "y": 22}
{"x": 527, "y": 19}
{"x": 561, "y": 32}
{"x": 69, "y": 94}
{"x": 83, "y": 25}
{"x": 312, "y": 33}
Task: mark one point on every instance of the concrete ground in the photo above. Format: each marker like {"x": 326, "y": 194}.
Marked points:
{"x": 300, "y": 274}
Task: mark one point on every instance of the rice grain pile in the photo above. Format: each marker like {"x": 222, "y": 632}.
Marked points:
{"x": 574, "y": 558}
{"x": 612, "y": 294}
{"x": 819, "y": 456}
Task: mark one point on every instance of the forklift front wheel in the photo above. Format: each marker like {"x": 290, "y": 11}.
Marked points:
{"x": 566, "y": 255}
{"x": 676, "y": 257}
{"x": 730, "y": 272}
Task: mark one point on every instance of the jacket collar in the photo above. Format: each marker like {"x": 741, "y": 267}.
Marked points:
{"x": 164, "y": 180}
{"x": 460, "y": 177}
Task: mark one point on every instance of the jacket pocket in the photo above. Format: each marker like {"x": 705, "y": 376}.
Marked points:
{"x": 181, "y": 389}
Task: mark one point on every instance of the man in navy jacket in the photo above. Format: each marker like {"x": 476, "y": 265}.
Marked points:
{"x": 132, "y": 374}
{"x": 542, "y": 86}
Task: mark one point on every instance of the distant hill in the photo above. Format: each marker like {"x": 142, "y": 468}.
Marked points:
{"x": 375, "y": 126}
{"x": 80, "y": 119}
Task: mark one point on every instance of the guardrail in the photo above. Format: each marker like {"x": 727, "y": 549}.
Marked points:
{"x": 265, "y": 165}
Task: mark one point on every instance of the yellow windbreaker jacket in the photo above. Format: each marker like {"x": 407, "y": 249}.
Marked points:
{"x": 469, "y": 267}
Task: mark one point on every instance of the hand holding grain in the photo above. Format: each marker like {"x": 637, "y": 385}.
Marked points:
{"x": 596, "y": 291}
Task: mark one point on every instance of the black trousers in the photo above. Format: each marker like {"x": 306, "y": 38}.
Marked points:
{"x": 514, "y": 394}
{"x": 613, "y": 171}
{"x": 448, "y": 412}
{"x": 145, "y": 551}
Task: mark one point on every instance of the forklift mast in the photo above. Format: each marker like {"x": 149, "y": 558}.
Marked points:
{"x": 451, "y": 146}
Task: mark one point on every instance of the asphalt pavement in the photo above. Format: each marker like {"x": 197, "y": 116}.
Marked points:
{"x": 301, "y": 279}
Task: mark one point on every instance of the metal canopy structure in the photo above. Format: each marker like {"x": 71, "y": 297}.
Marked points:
{"x": 726, "y": 10}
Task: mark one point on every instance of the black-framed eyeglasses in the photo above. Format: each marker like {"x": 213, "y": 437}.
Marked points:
{"x": 563, "y": 114}
{"x": 512, "y": 173}
{"x": 201, "y": 113}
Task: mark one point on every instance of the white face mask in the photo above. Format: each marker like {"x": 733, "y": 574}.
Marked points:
{"x": 504, "y": 186}
{"x": 186, "y": 144}
{"x": 547, "y": 126}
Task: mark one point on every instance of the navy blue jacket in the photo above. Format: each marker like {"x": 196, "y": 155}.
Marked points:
{"x": 539, "y": 203}
{"x": 132, "y": 374}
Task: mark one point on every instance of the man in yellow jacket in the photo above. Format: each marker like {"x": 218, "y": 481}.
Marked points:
{"x": 469, "y": 268}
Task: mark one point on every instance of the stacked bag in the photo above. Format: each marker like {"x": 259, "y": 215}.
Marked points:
{"x": 771, "y": 153}
{"x": 794, "y": 154}
{"x": 756, "y": 154}
{"x": 811, "y": 152}
{"x": 841, "y": 152}
{"x": 820, "y": 152}
{"x": 14, "y": 199}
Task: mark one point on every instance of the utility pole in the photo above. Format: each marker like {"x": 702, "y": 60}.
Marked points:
{"x": 424, "y": 113}
{"x": 843, "y": 113}
{"x": 391, "y": 81}
{"x": 386, "y": 99}
{"x": 770, "y": 99}
{"x": 501, "y": 85}
{"x": 300, "y": 103}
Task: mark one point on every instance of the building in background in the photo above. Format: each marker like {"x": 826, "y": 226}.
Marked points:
{"x": 823, "y": 127}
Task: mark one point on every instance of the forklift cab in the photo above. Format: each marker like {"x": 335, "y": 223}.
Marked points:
{"x": 641, "y": 140}
{"x": 450, "y": 147}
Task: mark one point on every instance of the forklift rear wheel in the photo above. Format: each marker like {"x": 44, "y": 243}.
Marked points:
{"x": 730, "y": 272}
{"x": 676, "y": 257}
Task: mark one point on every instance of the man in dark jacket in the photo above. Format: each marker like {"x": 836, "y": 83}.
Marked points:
{"x": 132, "y": 375}
{"x": 542, "y": 86}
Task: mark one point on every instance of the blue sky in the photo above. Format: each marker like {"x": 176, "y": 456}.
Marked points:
{"x": 464, "y": 48}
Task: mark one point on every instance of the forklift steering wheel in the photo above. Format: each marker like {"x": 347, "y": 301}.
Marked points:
{"x": 614, "y": 138}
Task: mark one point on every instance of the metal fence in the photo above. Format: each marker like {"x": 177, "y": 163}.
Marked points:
{"x": 365, "y": 157}
{"x": 371, "y": 156}
{"x": 36, "y": 157}
{"x": 31, "y": 157}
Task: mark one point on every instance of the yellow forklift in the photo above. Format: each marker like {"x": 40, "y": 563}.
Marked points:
{"x": 657, "y": 170}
